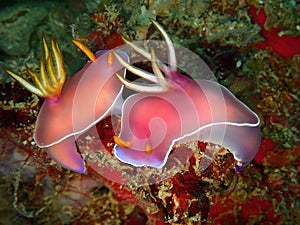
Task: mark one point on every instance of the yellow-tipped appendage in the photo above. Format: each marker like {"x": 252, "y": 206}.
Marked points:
{"x": 122, "y": 143}
{"x": 49, "y": 83}
{"x": 85, "y": 50}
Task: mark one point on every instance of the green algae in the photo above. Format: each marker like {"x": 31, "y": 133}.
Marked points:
{"x": 281, "y": 14}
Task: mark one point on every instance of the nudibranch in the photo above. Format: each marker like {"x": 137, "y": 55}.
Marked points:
{"x": 73, "y": 106}
{"x": 175, "y": 109}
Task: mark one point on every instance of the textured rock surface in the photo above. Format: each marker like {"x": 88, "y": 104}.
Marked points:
{"x": 22, "y": 19}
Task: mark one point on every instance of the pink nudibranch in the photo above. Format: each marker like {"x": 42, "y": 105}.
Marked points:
{"x": 70, "y": 108}
{"x": 86, "y": 98}
{"x": 197, "y": 110}
{"x": 178, "y": 109}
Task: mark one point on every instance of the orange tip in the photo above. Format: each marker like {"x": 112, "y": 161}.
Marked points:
{"x": 122, "y": 143}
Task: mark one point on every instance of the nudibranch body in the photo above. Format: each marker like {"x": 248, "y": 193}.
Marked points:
{"x": 72, "y": 107}
{"x": 177, "y": 109}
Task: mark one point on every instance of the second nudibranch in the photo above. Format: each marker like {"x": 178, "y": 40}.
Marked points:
{"x": 176, "y": 109}
{"x": 72, "y": 107}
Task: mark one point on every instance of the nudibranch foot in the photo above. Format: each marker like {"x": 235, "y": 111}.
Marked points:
{"x": 65, "y": 153}
{"x": 52, "y": 73}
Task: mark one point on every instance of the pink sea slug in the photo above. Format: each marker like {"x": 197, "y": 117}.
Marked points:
{"x": 70, "y": 108}
{"x": 176, "y": 109}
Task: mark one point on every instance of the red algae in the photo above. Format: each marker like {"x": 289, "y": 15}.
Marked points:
{"x": 285, "y": 45}
{"x": 266, "y": 146}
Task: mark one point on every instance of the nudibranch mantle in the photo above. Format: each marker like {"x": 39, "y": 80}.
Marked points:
{"x": 85, "y": 99}
{"x": 72, "y": 107}
{"x": 177, "y": 109}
